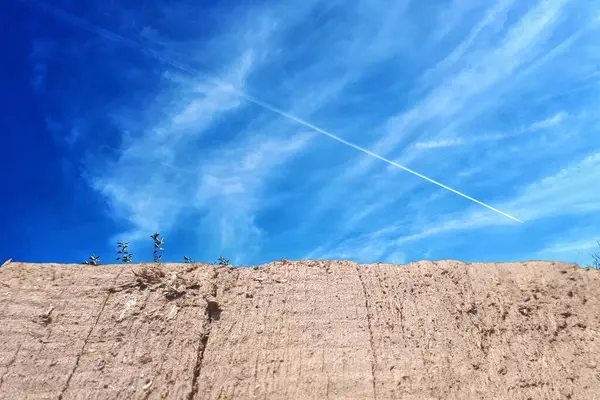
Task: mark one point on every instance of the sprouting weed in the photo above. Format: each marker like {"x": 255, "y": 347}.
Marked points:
{"x": 123, "y": 253}
{"x": 158, "y": 242}
{"x": 93, "y": 260}
{"x": 223, "y": 261}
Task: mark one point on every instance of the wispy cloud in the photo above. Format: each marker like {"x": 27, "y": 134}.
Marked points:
{"x": 161, "y": 175}
{"x": 494, "y": 15}
{"x": 480, "y": 98}
{"x": 465, "y": 93}
{"x": 456, "y": 92}
{"x": 481, "y": 82}
{"x": 570, "y": 191}
{"x": 232, "y": 187}
{"x": 573, "y": 245}
{"x": 567, "y": 247}
{"x": 490, "y": 137}
{"x": 41, "y": 52}
{"x": 440, "y": 143}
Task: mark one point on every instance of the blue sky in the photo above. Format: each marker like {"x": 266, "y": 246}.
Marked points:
{"x": 197, "y": 120}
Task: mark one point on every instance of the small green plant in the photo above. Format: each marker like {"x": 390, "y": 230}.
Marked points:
{"x": 123, "y": 253}
{"x": 222, "y": 261}
{"x": 93, "y": 260}
{"x": 188, "y": 260}
{"x": 596, "y": 259}
{"x": 158, "y": 242}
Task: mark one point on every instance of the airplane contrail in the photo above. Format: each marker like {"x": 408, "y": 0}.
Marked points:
{"x": 107, "y": 34}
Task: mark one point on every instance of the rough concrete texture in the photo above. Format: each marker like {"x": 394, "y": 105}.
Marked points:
{"x": 300, "y": 330}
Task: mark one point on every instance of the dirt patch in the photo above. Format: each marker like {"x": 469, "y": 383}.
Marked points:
{"x": 300, "y": 330}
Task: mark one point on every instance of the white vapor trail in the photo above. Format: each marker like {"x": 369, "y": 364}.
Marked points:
{"x": 82, "y": 24}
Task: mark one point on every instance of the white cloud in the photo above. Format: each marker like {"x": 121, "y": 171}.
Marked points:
{"x": 458, "y": 9}
{"x": 572, "y": 190}
{"x": 435, "y": 144}
{"x": 571, "y": 246}
{"x": 151, "y": 181}
{"x": 397, "y": 257}
{"x": 359, "y": 250}
{"x": 41, "y": 52}
{"x": 496, "y": 64}
{"x": 202, "y": 148}
{"x": 231, "y": 185}
{"x": 461, "y": 95}
{"x": 537, "y": 126}
{"x": 548, "y": 122}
